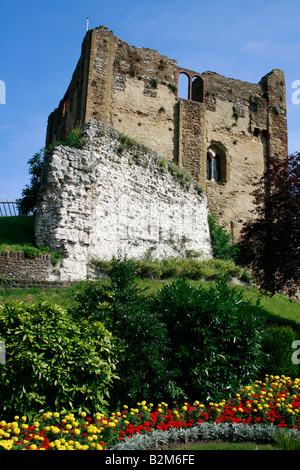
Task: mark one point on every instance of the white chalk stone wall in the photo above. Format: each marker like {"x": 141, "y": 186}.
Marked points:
{"x": 100, "y": 200}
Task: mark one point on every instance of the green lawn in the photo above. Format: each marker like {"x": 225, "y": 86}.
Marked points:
{"x": 16, "y": 231}
{"x": 63, "y": 296}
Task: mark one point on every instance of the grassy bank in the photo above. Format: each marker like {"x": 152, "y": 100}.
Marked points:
{"x": 16, "y": 231}
{"x": 278, "y": 308}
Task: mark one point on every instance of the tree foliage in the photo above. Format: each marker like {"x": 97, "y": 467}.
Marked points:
{"x": 27, "y": 203}
{"x": 273, "y": 236}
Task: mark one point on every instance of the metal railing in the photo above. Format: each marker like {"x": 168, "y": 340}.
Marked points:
{"x": 8, "y": 209}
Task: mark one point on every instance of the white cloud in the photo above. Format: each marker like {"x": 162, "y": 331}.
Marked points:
{"x": 269, "y": 48}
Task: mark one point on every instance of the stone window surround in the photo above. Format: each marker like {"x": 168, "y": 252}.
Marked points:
{"x": 191, "y": 77}
{"x": 216, "y": 158}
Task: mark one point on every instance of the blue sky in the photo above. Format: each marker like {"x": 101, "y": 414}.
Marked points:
{"x": 41, "y": 41}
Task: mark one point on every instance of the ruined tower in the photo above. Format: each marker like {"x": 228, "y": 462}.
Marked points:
{"x": 221, "y": 134}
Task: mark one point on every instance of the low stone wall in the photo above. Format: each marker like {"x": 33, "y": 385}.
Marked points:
{"x": 23, "y": 270}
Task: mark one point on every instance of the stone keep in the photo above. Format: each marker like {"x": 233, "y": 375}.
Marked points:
{"x": 102, "y": 199}
{"x": 221, "y": 134}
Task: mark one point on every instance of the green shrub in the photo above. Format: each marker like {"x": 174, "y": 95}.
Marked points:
{"x": 222, "y": 242}
{"x": 277, "y": 345}
{"x": 188, "y": 267}
{"x": 142, "y": 337}
{"x": 215, "y": 337}
{"x": 52, "y": 362}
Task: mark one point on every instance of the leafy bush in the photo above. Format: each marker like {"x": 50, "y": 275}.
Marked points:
{"x": 142, "y": 337}
{"x": 215, "y": 337}
{"x": 53, "y": 362}
{"x": 222, "y": 242}
{"x": 277, "y": 344}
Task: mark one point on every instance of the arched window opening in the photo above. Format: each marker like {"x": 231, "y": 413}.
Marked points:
{"x": 183, "y": 86}
{"x": 208, "y": 168}
{"x": 216, "y": 165}
{"x": 217, "y": 168}
{"x": 197, "y": 89}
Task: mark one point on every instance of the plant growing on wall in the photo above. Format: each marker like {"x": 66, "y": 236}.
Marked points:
{"x": 172, "y": 87}
{"x": 223, "y": 245}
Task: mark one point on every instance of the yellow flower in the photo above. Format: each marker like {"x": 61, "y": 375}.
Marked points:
{"x": 7, "y": 444}
{"x": 54, "y": 430}
{"x": 33, "y": 447}
{"x": 55, "y": 415}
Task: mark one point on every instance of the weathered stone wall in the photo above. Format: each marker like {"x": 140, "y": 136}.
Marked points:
{"x": 99, "y": 200}
{"x": 71, "y": 111}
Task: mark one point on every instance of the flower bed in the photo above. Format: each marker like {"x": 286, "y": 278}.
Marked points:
{"x": 274, "y": 402}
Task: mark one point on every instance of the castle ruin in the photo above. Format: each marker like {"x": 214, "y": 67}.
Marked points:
{"x": 221, "y": 134}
